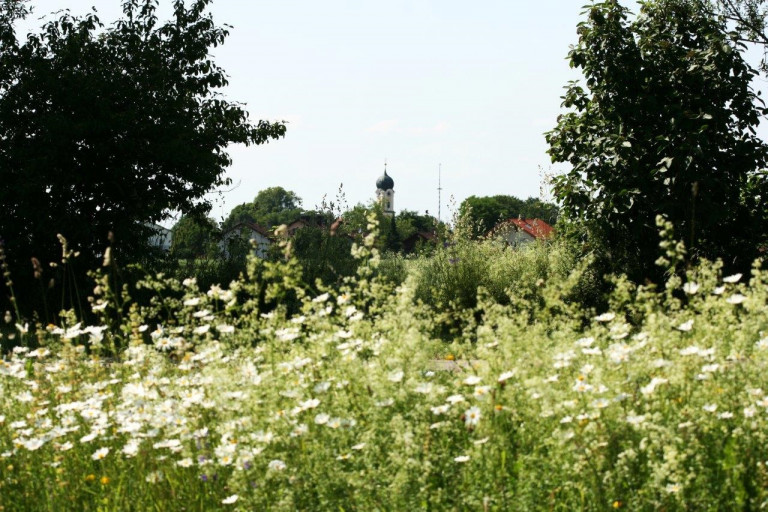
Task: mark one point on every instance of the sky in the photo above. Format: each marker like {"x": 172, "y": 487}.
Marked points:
{"x": 423, "y": 85}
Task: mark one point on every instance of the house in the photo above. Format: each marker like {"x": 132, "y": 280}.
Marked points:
{"x": 517, "y": 232}
{"x": 260, "y": 238}
{"x": 307, "y": 219}
{"x": 160, "y": 238}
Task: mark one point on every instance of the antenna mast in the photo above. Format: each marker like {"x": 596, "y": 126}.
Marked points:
{"x": 439, "y": 190}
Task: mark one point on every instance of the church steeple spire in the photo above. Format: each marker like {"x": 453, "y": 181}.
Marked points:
{"x": 385, "y": 193}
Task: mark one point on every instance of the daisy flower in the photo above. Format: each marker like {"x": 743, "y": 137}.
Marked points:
{"x": 100, "y": 453}
{"x": 472, "y": 416}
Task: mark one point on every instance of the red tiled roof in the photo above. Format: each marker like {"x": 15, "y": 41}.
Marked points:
{"x": 537, "y": 228}
{"x": 253, "y": 227}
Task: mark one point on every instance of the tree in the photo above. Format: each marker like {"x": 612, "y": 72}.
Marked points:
{"x": 107, "y": 129}
{"x": 323, "y": 255}
{"x": 271, "y": 207}
{"x": 486, "y": 212}
{"x": 749, "y": 19}
{"x": 410, "y": 222}
{"x": 356, "y": 221}
{"x": 666, "y": 125}
{"x": 194, "y": 238}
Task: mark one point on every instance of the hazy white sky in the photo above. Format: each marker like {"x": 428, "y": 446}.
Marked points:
{"x": 416, "y": 82}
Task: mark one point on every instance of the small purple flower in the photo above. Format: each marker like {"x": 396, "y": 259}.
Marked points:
{"x": 204, "y": 478}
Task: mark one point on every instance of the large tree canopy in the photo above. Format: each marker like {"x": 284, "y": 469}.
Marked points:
{"x": 666, "y": 125}
{"x": 110, "y": 128}
{"x": 271, "y": 207}
{"x": 194, "y": 238}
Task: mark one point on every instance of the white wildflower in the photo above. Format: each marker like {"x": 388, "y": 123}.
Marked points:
{"x": 581, "y": 386}
{"x": 481, "y": 391}
{"x": 230, "y": 500}
{"x": 472, "y": 416}
{"x": 440, "y": 409}
{"x": 185, "y": 463}
{"x": 225, "y": 328}
{"x": 100, "y": 453}
{"x": 472, "y": 380}
{"x": 33, "y": 444}
{"x": 202, "y": 329}
{"x": 605, "y": 317}
{"x": 690, "y": 288}
{"x": 424, "y": 388}
{"x": 691, "y": 350}
{"x": 505, "y": 376}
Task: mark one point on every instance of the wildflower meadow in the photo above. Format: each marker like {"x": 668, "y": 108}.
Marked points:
{"x": 200, "y": 400}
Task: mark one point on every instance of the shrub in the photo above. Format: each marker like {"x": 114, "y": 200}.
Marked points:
{"x": 450, "y": 280}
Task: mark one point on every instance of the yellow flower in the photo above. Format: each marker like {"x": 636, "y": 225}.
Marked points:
{"x": 104, "y": 480}
{"x": 449, "y": 357}
{"x": 617, "y": 504}
{"x": 90, "y": 478}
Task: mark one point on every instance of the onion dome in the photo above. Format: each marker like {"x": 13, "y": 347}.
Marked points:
{"x": 385, "y": 182}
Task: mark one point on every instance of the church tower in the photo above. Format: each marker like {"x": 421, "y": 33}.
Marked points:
{"x": 385, "y": 193}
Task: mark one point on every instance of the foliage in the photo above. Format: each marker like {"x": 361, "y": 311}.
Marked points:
{"x": 394, "y": 231}
{"x": 194, "y": 238}
{"x": 486, "y": 212}
{"x": 323, "y": 256}
{"x": 658, "y": 403}
{"x": 271, "y": 207}
{"x": 665, "y": 125}
{"x": 410, "y": 222}
{"x": 453, "y": 281}
{"x": 749, "y": 19}
{"x": 106, "y": 129}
